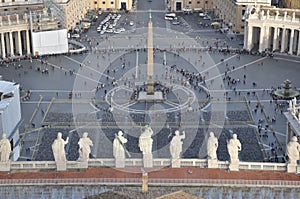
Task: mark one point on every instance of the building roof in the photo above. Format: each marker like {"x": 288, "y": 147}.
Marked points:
{"x": 7, "y": 87}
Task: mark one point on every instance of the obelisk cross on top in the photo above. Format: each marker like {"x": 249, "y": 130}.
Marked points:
{"x": 150, "y": 84}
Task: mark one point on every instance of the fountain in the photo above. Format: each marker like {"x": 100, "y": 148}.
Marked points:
{"x": 286, "y": 92}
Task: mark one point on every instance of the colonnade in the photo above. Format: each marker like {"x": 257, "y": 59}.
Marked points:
{"x": 273, "y": 29}
{"x": 273, "y": 39}
{"x": 15, "y": 43}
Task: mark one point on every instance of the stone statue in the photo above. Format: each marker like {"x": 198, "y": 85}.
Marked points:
{"x": 58, "y": 148}
{"x": 284, "y": 15}
{"x": 292, "y": 150}
{"x": 145, "y": 140}
{"x": 176, "y": 144}
{"x": 118, "y": 146}
{"x": 85, "y": 144}
{"x": 291, "y": 106}
{"x": 293, "y": 16}
{"x": 277, "y": 14}
{"x": 212, "y": 146}
{"x": 5, "y": 148}
{"x": 294, "y": 102}
{"x": 234, "y": 146}
{"x": 268, "y": 14}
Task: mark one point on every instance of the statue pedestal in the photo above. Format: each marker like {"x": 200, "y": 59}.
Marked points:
{"x": 148, "y": 161}
{"x": 145, "y": 183}
{"x": 83, "y": 165}
{"x": 291, "y": 168}
{"x": 120, "y": 162}
{"x": 4, "y": 166}
{"x": 175, "y": 163}
{"x": 212, "y": 164}
{"x": 234, "y": 166}
{"x": 61, "y": 166}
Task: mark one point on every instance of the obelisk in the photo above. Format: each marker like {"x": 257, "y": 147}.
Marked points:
{"x": 150, "y": 84}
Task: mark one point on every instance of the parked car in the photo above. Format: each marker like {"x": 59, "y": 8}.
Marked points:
{"x": 201, "y": 14}
{"x": 75, "y": 36}
{"x": 176, "y": 22}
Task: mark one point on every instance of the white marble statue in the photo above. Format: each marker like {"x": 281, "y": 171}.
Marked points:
{"x": 212, "y": 146}
{"x": 58, "y": 148}
{"x": 176, "y": 144}
{"x": 234, "y": 146}
{"x": 5, "y": 148}
{"x": 292, "y": 150}
{"x": 118, "y": 146}
{"x": 294, "y": 102}
{"x": 291, "y": 106}
{"x": 85, "y": 145}
{"x": 145, "y": 140}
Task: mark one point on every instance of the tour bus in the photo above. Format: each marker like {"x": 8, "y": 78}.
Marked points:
{"x": 170, "y": 16}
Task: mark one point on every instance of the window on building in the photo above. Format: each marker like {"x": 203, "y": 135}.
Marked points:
{"x": 198, "y": 2}
{"x": 103, "y": 2}
{"x": 242, "y": 27}
{"x": 95, "y": 2}
{"x": 112, "y": 2}
{"x": 243, "y": 12}
{"x": 190, "y": 2}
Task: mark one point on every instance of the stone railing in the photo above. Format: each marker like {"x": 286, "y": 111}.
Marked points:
{"x": 266, "y": 2}
{"x": 21, "y": 2}
{"x": 159, "y": 162}
{"x": 153, "y": 181}
{"x": 286, "y": 16}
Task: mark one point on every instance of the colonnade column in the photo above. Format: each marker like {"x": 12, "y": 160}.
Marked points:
{"x": 275, "y": 38}
{"x": 27, "y": 42}
{"x": 19, "y": 43}
{"x": 266, "y": 36}
{"x": 291, "y": 42}
{"x": 249, "y": 37}
{"x": 283, "y": 40}
{"x": 3, "y": 46}
{"x": 298, "y": 51}
{"x": 246, "y": 37}
{"x": 11, "y": 43}
{"x": 261, "y": 39}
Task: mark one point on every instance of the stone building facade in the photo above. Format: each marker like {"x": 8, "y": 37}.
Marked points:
{"x": 273, "y": 29}
{"x": 111, "y": 4}
{"x": 232, "y": 12}
{"x": 179, "y": 5}
{"x": 15, "y": 30}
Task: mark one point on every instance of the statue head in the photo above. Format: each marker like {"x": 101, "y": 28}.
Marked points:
{"x": 59, "y": 135}
{"x": 3, "y": 135}
{"x": 211, "y": 134}
{"x": 85, "y": 134}
{"x": 234, "y": 136}
{"x": 120, "y": 133}
{"x": 177, "y": 132}
{"x": 294, "y": 139}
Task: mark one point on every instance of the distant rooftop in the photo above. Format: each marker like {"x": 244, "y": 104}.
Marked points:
{"x": 6, "y": 91}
